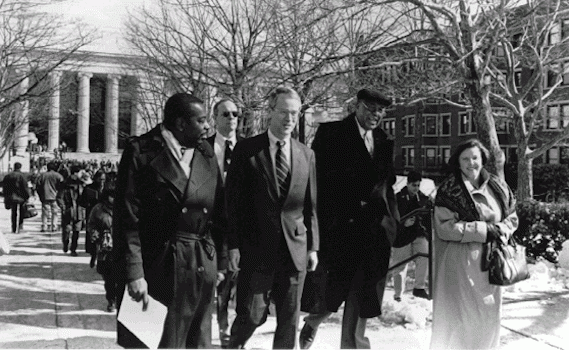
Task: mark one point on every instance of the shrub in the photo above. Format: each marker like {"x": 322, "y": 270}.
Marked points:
{"x": 543, "y": 228}
{"x": 549, "y": 178}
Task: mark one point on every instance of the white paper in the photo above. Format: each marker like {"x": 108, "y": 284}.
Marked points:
{"x": 147, "y": 325}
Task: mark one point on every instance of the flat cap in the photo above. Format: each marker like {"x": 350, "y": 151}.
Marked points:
{"x": 373, "y": 96}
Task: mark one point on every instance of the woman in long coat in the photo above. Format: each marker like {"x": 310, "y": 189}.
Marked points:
{"x": 472, "y": 208}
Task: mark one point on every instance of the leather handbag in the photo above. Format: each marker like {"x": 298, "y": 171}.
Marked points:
{"x": 508, "y": 263}
{"x": 29, "y": 211}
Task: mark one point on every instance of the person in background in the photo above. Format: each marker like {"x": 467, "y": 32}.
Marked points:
{"x": 226, "y": 117}
{"x": 99, "y": 228}
{"x": 16, "y": 193}
{"x": 409, "y": 199}
{"x": 47, "y": 185}
{"x": 89, "y": 198}
{"x": 472, "y": 209}
{"x": 72, "y": 214}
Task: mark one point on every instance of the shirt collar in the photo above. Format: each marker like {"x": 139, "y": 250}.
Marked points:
{"x": 171, "y": 142}
{"x": 273, "y": 140}
{"x": 471, "y": 188}
{"x": 220, "y": 139}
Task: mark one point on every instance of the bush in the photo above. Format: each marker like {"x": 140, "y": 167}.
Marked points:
{"x": 550, "y": 178}
{"x": 543, "y": 228}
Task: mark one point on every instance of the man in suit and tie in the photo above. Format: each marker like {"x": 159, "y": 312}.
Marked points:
{"x": 226, "y": 117}
{"x": 354, "y": 160}
{"x": 169, "y": 195}
{"x": 273, "y": 229}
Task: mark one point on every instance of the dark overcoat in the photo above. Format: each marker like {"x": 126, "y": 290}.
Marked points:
{"x": 15, "y": 188}
{"x": 350, "y": 211}
{"x": 156, "y": 203}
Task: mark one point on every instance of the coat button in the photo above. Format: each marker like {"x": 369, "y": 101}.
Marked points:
{"x": 184, "y": 210}
{"x": 200, "y": 269}
{"x": 205, "y": 210}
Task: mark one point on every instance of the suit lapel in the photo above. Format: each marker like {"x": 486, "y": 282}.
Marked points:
{"x": 264, "y": 159}
{"x": 168, "y": 167}
{"x": 359, "y": 143}
{"x": 201, "y": 171}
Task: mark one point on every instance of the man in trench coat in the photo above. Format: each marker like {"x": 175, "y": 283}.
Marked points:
{"x": 169, "y": 195}
{"x": 354, "y": 161}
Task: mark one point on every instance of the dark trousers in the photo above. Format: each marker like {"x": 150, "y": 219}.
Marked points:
{"x": 17, "y": 219}
{"x": 74, "y": 238}
{"x": 224, "y": 290}
{"x": 255, "y": 289}
{"x": 106, "y": 269}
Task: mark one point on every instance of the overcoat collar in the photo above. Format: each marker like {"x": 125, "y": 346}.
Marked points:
{"x": 168, "y": 167}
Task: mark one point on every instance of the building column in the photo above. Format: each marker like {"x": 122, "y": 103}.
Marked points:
{"x": 53, "y": 121}
{"x": 84, "y": 106}
{"x": 135, "y": 112}
{"x": 22, "y": 122}
{"x": 112, "y": 114}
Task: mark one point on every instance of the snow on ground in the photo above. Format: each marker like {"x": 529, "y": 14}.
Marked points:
{"x": 417, "y": 313}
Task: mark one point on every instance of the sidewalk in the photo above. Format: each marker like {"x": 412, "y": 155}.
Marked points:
{"x": 51, "y": 300}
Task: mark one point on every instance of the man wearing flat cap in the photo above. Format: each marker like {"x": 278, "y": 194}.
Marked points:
{"x": 354, "y": 166}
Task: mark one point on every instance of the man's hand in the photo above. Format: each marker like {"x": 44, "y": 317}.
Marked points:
{"x": 234, "y": 257}
{"x": 220, "y": 277}
{"x": 312, "y": 261}
{"x": 138, "y": 290}
{"x": 409, "y": 221}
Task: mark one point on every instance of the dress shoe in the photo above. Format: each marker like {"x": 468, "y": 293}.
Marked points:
{"x": 421, "y": 293}
{"x": 111, "y": 306}
{"x": 307, "y": 335}
{"x": 396, "y": 298}
{"x": 73, "y": 253}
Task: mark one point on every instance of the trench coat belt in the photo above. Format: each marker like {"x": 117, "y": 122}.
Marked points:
{"x": 204, "y": 239}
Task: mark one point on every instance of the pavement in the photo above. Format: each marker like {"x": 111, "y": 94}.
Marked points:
{"x": 51, "y": 300}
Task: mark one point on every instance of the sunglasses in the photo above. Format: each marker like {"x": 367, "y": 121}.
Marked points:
{"x": 374, "y": 109}
{"x": 229, "y": 114}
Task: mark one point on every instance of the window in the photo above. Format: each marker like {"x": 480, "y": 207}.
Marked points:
{"x": 557, "y": 116}
{"x": 564, "y": 155}
{"x": 558, "y": 71}
{"x": 565, "y": 28}
{"x": 503, "y": 120}
{"x": 518, "y": 78}
{"x": 388, "y": 126}
{"x": 408, "y": 156}
{"x": 408, "y": 125}
{"x": 467, "y": 125}
{"x": 430, "y": 124}
{"x": 565, "y": 115}
{"x": 555, "y": 34}
{"x": 444, "y": 123}
{"x": 552, "y": 117}
{"x": 445, "y": 154}
{"x": 552, "y": 156}
{"x": 430, "y": 157}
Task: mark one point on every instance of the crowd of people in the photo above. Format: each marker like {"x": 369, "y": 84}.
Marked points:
{"x": 186, "y": 217}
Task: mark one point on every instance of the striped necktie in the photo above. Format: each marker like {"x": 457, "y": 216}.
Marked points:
{"x": 282, "y": 170}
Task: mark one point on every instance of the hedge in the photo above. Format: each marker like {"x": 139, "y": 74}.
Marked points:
{"x": 543, "y": 228}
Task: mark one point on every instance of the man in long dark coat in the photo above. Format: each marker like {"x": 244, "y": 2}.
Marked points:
{"x": 354, "y": 160}
{"x": 169, "y": 194}
{"x": 16, "y": 193}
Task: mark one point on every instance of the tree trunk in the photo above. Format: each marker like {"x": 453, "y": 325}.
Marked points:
{"x": 486, "y": 129}
{"x": 525, "y": 176}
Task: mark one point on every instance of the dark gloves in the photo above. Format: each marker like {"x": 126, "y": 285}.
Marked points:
{"x": 493, "y": 232}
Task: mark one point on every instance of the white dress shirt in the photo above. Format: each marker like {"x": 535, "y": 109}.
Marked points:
{"x": 367, "y": 136}
{"x": 273, "y": 150}
{"x": 185, "y": 158}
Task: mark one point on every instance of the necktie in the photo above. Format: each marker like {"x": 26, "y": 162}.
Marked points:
{"x": 227, "y": 155}
{"x": 368, "y": 142}
{"x": 282, "y": 169}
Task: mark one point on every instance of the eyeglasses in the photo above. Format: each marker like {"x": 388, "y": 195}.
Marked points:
{"x": 375, "y": 108}
{"x": 229, "y": 114}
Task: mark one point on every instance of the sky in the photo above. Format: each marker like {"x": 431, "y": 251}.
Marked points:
{"x": 105, "y": 15}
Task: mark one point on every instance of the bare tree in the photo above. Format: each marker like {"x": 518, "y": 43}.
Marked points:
{"x": 32, "y": 45}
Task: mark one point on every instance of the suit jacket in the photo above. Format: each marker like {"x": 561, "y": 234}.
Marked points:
{"x": 354, "y": 194}
{"x": 258, "y": 218}
{"x": 15, "y": 188}
{"x": 155, "y": 199}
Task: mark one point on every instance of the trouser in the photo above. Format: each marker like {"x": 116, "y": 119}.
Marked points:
{"x": 223, "y": 297}
{"x": 17, "y": 219}
{"x": 254, "y": 292}
{"x": 419, "y": 245}
{"x": 106, "y": 269}
{"x": 353, "y": 326}
{"x": 49, "y": 214}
